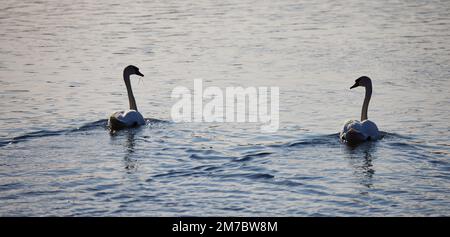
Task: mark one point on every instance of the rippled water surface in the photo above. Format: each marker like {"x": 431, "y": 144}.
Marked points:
{"x": 61, "y": 65}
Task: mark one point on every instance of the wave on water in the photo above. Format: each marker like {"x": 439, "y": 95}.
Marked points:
{"x": 329, "y": 139}
{"x": 334, "y": 141}
{"x": 46, "y": 133}
{"x": 103, "y": 123}
{"x": 333, "y": 138}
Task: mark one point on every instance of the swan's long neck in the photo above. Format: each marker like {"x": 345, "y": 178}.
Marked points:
{"x": 365, "y": 106}
{"x": 131, "y": 99}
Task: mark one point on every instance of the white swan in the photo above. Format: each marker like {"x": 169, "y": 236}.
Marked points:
{"x": 355, "y": 131}
{"x": 131, "y": 117}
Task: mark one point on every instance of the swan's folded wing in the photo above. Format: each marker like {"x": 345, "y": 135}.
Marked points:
{"x": 370, "y": 129}
{"x": 355, "y": 124}
{"x": 133, "y": 117}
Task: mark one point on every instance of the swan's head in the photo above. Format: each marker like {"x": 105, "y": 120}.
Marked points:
{"x": 362, "y": 81}
{"x": 130, "y": 70}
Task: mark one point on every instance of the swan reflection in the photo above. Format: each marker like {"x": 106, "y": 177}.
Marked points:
{"x": 127, "y": 138}
{"x": 131, "y": 163}
{"x": 361, "y": 160}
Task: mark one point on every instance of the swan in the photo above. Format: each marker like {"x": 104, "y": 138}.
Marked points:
{"x": 355, "y": 131}
{"x": 131, "y": 117}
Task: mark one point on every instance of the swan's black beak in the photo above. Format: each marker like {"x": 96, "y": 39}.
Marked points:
{"x": 139, "y": 73}
{"x": 355, "y": 85}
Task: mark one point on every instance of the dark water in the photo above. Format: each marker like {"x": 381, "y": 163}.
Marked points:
{"x": 60, "y": 78}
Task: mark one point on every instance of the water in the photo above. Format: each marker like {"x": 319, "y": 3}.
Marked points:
{"x": 60, "y": 78}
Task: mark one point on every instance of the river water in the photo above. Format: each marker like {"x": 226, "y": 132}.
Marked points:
{"x": 61, "y": 68}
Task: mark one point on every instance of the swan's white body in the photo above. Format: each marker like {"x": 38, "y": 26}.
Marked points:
{"x": 128, "y": 118}
{"x": 131, "y": 117}
{"x": 355, "y": 131}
